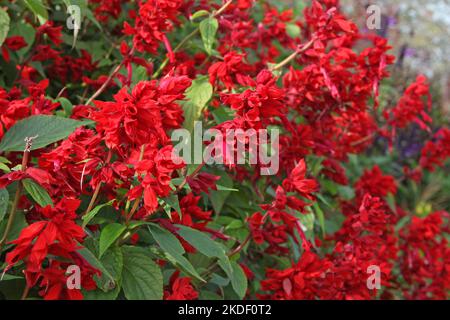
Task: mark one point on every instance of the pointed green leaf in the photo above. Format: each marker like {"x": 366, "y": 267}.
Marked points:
{"x": 4, "y": 198}
{"x": 38, "y": 193}
{"x": 208, "y": 30}
{"x": 197, "y": 97}
{"x": 4, "y": 25}
{"x": 109, "y": 235}
{"x": 173, "y": 202}
{"x": 39, "y": 10}
{"x": 91, "y": 214}
{"x": 205, "y": 245}
{"x": 172, "y": 246}
{"x": 219, "y": 196}
{"x": 106, "y": 279}
{"x": 46, "y": 129}
{"x": 239, "y": 280}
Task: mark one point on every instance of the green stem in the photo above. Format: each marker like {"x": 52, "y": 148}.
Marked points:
{"x": 12, "y": 215}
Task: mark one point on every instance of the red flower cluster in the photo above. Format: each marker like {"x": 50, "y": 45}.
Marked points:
{"x": 365, "y": 240}
{"x": 153, "y": 20}
{"x": 55, "y": 235}
{"x": 411, "y": 106}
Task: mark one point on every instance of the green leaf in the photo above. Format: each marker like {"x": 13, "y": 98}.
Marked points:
{"x": 239, "y": 280}
{"x": 172, "y": 246}
{"x": 25, "y": 30}
{"x": 4, "y": 198}
{"x": 223, "y": 188}
{"x": 107, "y": 281}
{"x": 109, "y": 235}
{"x": 4, "y": 167}
{"x": 218, "y": 197}
{"x": 141, "y": 277}
{"x": 166, "y": 240}
{"x": 208, "y": 30}
{"x": 222, "y": 114}
{"x": 390, "y": 199}
{"x": 293, "y": 30}
{"x": 46, "y": 129}
{"x": 197, "y": 97}
{"x": 207, "y": 295}
{"x": 4, "y": 160}
{"x": 198, "y": 14}
{"x": 39, "y": 10}
{"x": 38, "y": 193}
{"x": 139, "y": 74}
{"x": 173, "y": 202}
{"x": 113, "y": 262}
{"x": 320, "y": 216}
{"x": 307, "y": 221}
{"x": 19, "y": 224}
{"x": 66, "y": 105}
{"x": 205, "y": 245}
{"x": 91, "y": 214}
{"x": 7, "y": 277}
{"x": 202, "y": 242}
{"x": 4, "y": 25}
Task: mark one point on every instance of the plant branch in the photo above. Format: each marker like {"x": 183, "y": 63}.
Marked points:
{"x": 292, "y": 56}
{"x": 110, "y": 78}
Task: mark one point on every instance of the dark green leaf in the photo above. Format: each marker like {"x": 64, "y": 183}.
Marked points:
{"x": 202, "y": 242}
{"x": 19, "y": 224}
{"x": 222, "y": 114}
{"x": 141, "y": 277}
{"x": 166, "y": 240}
{"x": 239, "y": 280}
{"x": 4, "y": 198}
{"x": 173, "y": 202}
{"x": 218, "y": 197}
{"x": 113, "y": 262}
{"x": 109, "y": 235}
{"x": 107, "y": 281}
{"x": 48, "y": 129}
{"x": 320, "y": 216}
{"x": 39, "y": 10}
{"x": 205, "y": 245}
{"x": 91, "y": 214}
{"x": 38, "y": 193}
{"x": 66, "y": 105}
{"x": 172, "y": 246}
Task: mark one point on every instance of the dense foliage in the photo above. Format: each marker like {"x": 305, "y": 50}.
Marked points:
{"x": 88, "y": 177}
